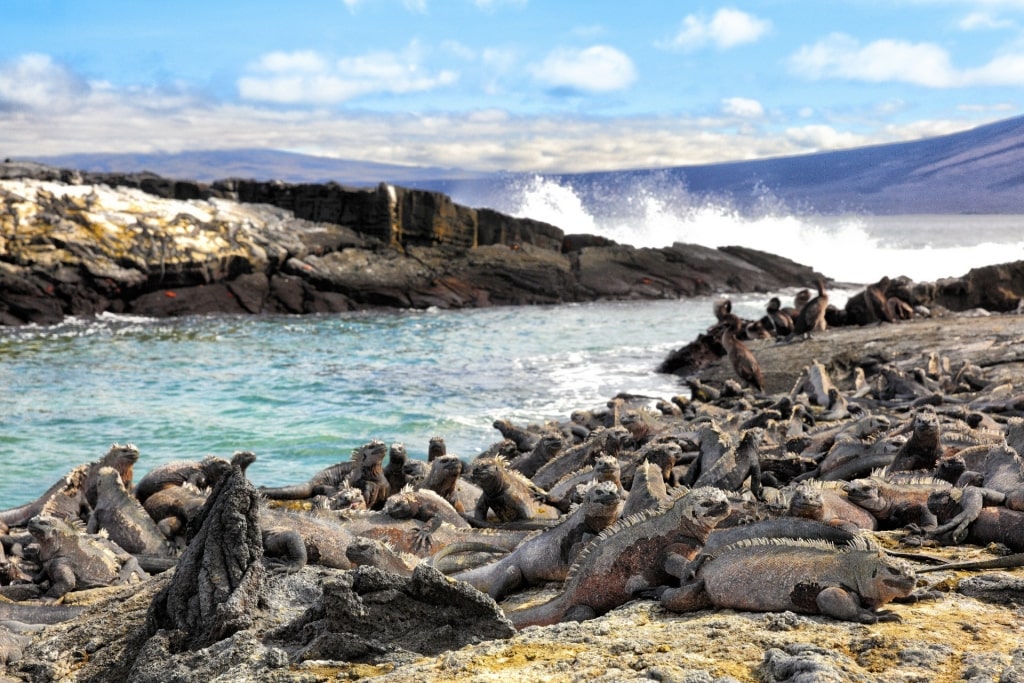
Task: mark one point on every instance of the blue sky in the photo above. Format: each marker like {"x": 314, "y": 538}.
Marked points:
{"x": 528, "y": 85}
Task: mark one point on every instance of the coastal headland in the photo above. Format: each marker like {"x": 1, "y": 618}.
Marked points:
{"x": 944, "y": 388}
{"x": 79, "y": 244}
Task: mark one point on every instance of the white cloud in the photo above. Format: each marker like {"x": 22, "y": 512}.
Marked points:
{"x": 35, "y": 80}
{"x": 983, "y": 21}
{"x": 599, "y": 68}
{"x": 840, "y": 56}
{"x": 743, "y": 107}
{"x": 305, "y": 77}
{"x": 926, "y": 64}
{"x": 727, "y": 28}
{"x": 101, "y": 117}
{"x": 821, "y": 137}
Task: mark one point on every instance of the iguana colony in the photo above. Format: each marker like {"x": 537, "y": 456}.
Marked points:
{"x": 778, "y": 494}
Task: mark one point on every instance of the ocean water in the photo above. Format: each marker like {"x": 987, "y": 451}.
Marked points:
{"x": 302, "y": 391}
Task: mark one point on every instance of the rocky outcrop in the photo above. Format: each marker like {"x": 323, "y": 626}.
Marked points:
{"x": 81, "y": 244}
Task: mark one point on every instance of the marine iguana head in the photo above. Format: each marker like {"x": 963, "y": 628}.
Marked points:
{"x": 436, "y": 448}
{"x": 49, "y": 530}
{"x": 415, "y": 471}
{"x": 602, "y": 505}
{"x": 370, "y": 454}
{"x": 550, "y": 444}
{"x": 397, "y": 455}
{"x": 606, "y": 468}
{"x": 108, "y": 482}
{"x": 704, "y": 507}
{"x": 866, "y": 494}
{"x": 403, "y": 505}
{"x": 123, "y": 459}
{"x": 243, "y": 459}
{"x": 880, "y": 578}
{"x": 347, "y": 497}
{"x": 489, "y": 473}
{"x": 214, "y": 469}
{"x": 807, "y": 502}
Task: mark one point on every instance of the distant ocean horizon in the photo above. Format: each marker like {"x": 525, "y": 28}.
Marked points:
{"x": 302, "y": 391}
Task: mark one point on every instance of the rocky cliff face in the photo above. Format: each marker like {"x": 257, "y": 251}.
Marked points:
{"x": 81, "y": 244}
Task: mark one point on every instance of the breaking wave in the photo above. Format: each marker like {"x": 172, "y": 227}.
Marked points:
{"x": 851, "y": 248}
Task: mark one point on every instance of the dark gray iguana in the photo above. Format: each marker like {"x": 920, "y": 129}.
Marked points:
{"x": 548, "y": 555}
{"x": 74, "y": 495}
{"x": 124, "y": 520}
{"x": 806, "y": 577}
{"x": 726, "y": 467}
{"x": 369, "y": 477}
{"x": 76, "y": 561}
{"x": 202, "y": 474}
{"x": 506, "y": 493}
{"x": 629, "y": 557}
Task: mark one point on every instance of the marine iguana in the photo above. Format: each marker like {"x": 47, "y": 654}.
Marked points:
{"x": 894, "y": 502}
{"x": 1002, "y": 483}
{"x": 369, "y": 477}
{"x": 75, "y": 494}
{"x": 524, "y": 439}
{"x": 602, "y": 441}
{"x": 648, "y": 491}
{"x": 380, "y": 554}
{"x": 830, "y": 505}
{"x": 436, "y": 447}
{"x": 425, "y": 506}
{"x": 172, "y": 508}
{"x": 124, "y": 520}
{"x": 628, "y": 557}
{"x": 546, "y": 448}
{"x": 723, "y": 466}
{"x": 325, "y": 482}
{"x": 850, "y": 583}
{"x": 509, "y": 495}
{"x": 200, "y": 473}
{"x": 568, "y": 491}
{"x": 293, "y": 539}
{"x": 993, "y": 523}
{"x": 76, "y": 561}
{"x": 394, "y": 471}
{"x": 923, "y": 449}
{"x": 445, "y": 479}
{"x": 548, "y": 555}
{"x": 664, "y": 454}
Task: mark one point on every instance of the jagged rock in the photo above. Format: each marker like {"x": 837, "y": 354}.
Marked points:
{"x": 994, "y": 288}
{"x": 218, "y": 586}
{"x": 370, "y": 615}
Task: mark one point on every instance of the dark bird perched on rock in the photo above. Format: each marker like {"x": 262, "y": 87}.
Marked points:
{"x": 740, "y": 357}
{"x": 781, "y": 322}
{"x": 811, "y": 317}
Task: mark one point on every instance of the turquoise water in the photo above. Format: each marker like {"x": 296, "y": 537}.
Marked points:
{"x": 301, "y": 392}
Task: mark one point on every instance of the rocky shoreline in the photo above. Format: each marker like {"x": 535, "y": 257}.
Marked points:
{"x": 320, "y": 624}
{"x": 79, "y": 244}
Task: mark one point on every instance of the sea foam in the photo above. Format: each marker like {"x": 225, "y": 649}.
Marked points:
{"x": 848, "y": 248}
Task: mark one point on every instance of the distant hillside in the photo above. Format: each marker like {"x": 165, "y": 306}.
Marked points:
{"x": 259, "y": 164}
{"x": 975, "y": 171}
